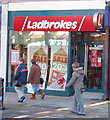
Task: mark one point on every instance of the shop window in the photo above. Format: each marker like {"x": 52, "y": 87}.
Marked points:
{"x": 76, "y": 46}
{"x": 97, "y": 36}
{"x": 88, "y": 50}
{"x": 28, "y": 44}
{"x": 94, "y": 60}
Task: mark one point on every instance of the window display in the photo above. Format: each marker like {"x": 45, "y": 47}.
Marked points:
{"x": 91, "y": 56}
{"x": 35, "y": 44}
{"x": 94, "y": 61}
{"x": 58, "y": 68}
{"x": 40, "y": 54}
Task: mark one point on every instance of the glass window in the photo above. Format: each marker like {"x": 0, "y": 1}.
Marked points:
{"x": 97, "y": 36}
{"x": 88, "y": 49}
{"x": 19, "y": 41}
{"x": 93, "y": 65}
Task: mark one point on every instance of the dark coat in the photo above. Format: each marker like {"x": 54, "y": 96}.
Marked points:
{"x": 34, "y": 75}
{"x": 21, "y": 74}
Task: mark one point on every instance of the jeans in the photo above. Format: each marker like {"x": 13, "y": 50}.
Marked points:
{"x": 78, "y": 105}
{"x": 20, "y": 91}
{"x": 35, "y": 87}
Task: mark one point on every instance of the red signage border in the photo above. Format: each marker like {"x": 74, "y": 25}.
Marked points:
{"x": 54, "y": 23}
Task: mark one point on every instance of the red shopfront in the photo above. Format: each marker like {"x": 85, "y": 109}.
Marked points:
{"x": 55, "y": 42}
{"x": 58, "y": 23}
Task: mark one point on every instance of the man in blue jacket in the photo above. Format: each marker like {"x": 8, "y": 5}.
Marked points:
{"x": 21, "y": 73}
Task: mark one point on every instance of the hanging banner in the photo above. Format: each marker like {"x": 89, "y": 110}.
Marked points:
{"x": 41, "y": 56}
{"x": 58, "y": 68}
{"x": 15, "y": 56}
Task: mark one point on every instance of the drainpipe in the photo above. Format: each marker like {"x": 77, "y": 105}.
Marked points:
{"x": 107, "y": 73}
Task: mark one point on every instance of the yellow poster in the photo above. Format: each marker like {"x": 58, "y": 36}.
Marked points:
{"x": 58, "y": 70}
{"x": 41, "y": 56}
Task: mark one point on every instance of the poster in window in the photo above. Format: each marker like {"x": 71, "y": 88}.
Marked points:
{"x": 94, "y": 58}
{"x": 40, "y": 54}
{"x": 58, "y": 68}
{"x": 15, "y": 56}
{"x": 99, "y": 64}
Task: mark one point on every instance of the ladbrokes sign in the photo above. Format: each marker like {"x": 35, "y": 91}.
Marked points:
{"x": 54, "y": 23}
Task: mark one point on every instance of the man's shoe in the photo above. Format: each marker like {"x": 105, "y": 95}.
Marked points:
{"x": 21, "y": 99}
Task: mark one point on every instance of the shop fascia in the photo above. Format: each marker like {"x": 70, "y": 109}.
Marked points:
{"x": 44, "y": 24}
{"x": 58, "y": 23}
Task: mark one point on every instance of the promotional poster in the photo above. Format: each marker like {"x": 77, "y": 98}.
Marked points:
{"x": 15, "y": 56}
{"x": 40, "y": 54}
{"x": 58, "y": 68}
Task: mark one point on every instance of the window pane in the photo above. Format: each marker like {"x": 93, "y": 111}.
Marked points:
{"x": 19, "y": 42}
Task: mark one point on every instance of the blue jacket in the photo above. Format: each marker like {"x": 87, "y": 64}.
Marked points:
{"x": 21, "y": 74}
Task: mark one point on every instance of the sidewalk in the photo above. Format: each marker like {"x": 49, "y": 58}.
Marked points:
{"x": 53, "y": 107}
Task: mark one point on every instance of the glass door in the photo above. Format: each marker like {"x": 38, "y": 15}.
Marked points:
{"x": 93, "y": 65}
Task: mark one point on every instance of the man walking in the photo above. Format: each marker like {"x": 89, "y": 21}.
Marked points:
{"x": 21, "y": 73}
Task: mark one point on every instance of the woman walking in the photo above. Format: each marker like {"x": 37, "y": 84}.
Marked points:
{"x": 34, "y": 79}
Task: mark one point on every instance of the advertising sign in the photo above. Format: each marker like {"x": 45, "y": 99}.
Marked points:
{"x": 97, "y": 19}
{"x": 54, "y": 23}
{"x": 40, "y": 54}
{"x": 15, "y": 56}
{"x": 58, "y": 69}
{"x": 99, "y": 64}
{"x": 93, "y": 58}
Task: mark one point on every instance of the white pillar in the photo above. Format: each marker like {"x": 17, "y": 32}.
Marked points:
{"x": 4, "y": 32}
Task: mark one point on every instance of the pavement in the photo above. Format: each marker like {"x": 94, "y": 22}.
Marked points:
{"x": 53, "y": 107}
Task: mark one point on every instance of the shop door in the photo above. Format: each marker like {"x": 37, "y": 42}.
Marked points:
{"x": 93, "y": 66}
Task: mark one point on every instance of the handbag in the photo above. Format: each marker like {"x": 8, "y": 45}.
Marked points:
{"x": 82, "y": 89}
{"x": 41, "y": 80}
{"x": 18, "y": 84}
{"x": 30, "y": 88}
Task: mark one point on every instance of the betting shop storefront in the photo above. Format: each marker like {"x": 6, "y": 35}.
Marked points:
{"x": 57, "y": 40}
